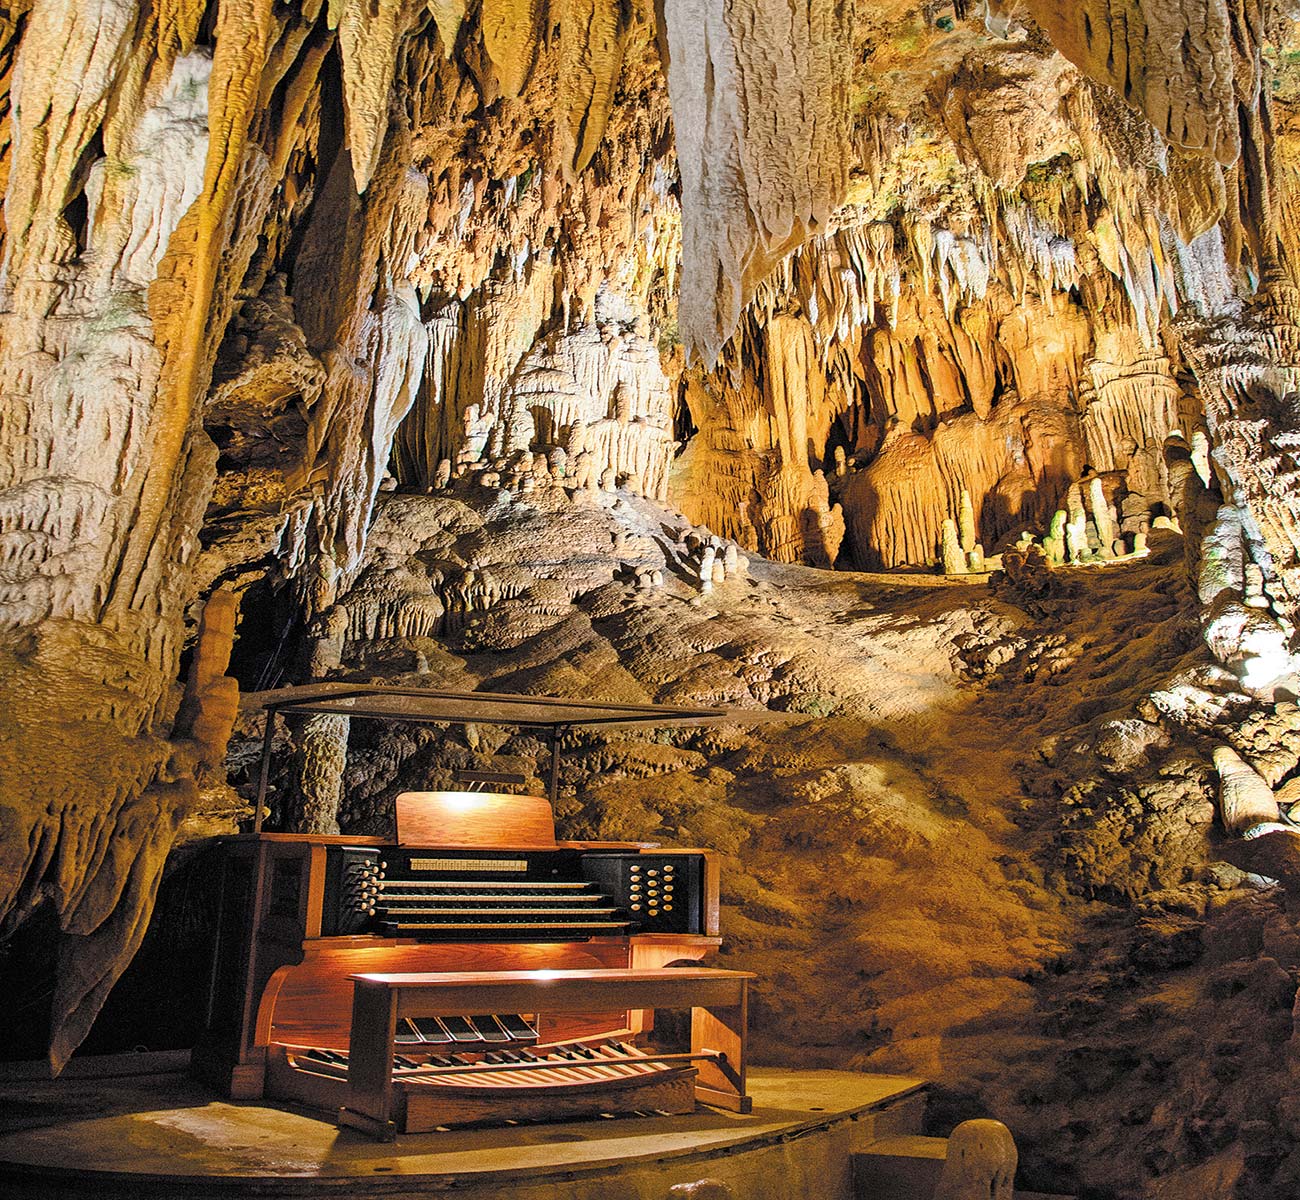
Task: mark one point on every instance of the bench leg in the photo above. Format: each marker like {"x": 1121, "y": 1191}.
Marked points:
{"x": 722, "y": 1084}
{"x": 370, "y": 1061}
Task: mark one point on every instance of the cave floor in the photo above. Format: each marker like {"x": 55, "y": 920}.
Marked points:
{"x": 163, "y": 1135}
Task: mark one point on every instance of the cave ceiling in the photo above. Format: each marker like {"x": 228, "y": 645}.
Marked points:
{"x": 821, "y": 276}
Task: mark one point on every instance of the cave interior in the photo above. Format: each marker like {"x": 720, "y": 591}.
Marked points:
{"x": 918, "y": 381}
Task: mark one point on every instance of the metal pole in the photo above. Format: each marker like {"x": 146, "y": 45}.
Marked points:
{"x": 265, "y": 776}
{"x": 554, "y": 790}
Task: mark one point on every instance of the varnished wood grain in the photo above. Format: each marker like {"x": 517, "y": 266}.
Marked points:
{"x": 370, "y": 1058}
{"x": 722, "y": 1028}
{"x": 474, "y": 821}
{"x": 310, "y": 1003}
{"x": 469, "y": 992}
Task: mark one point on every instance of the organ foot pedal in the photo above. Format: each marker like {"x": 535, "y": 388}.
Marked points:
{"x": 546, "y": 1083}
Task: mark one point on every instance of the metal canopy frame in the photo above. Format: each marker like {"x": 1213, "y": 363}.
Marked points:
{"x": 553, "y": 715}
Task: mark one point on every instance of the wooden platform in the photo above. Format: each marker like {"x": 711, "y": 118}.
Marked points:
{"x": 164, "y": 1136}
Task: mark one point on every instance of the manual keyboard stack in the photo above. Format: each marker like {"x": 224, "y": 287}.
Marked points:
{"x": 417, "y": 907}
{"x": 571, "y": 894}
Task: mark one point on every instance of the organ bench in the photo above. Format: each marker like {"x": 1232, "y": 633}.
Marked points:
{"x": 525, "y": 1085}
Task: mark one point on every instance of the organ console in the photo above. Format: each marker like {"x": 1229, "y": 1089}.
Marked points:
{"x": 472, "y": 886}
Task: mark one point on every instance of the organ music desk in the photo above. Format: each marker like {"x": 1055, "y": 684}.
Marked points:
{"x": 471, "y": 968}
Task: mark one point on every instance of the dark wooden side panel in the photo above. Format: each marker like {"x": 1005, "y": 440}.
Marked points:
{"x": 370, "y": 1064}
{"x": 231, "y": 950}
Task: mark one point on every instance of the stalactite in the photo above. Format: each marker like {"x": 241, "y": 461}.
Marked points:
{"x": 369, "y": 35}
{"x": 761, "y": 169}
{"x": 1139, "y": 50}
{"x": 593, "y": 39}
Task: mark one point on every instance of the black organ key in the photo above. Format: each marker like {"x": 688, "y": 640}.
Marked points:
{"x": 460, "y": 1029}
{"x": 406, "y": 1034}
{"x": 489, "y": 1028}
{"x": 518, "y": 1029}
{"x": 431, "y": 1030}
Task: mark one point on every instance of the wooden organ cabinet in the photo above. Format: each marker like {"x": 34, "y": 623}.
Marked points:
{"x": 326, "y": 946}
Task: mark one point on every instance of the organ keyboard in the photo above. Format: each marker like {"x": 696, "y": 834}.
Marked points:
{"x": 401, "y": 892}
{"x": 386, "y": 1094}
{"x": 472, "y": 881}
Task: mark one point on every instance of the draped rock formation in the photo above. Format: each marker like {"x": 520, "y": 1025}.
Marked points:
{"x": 760, "y": 97}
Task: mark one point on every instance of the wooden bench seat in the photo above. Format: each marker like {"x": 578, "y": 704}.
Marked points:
{"x": 718, "y": 1001}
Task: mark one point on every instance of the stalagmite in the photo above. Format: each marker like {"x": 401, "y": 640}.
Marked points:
{"x": 1054, "y": 542}
{"x": 966, "y": 523}
{"x": 707, "y": 560}
{"x": 112, "y": 141}
{"x": 1222, "y": 564}
{"x": 1244, "y": 798}
{"x": 1102, "y": 519}
{"x": 954, "y": 561}
{"x": 1076, "y": 539}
